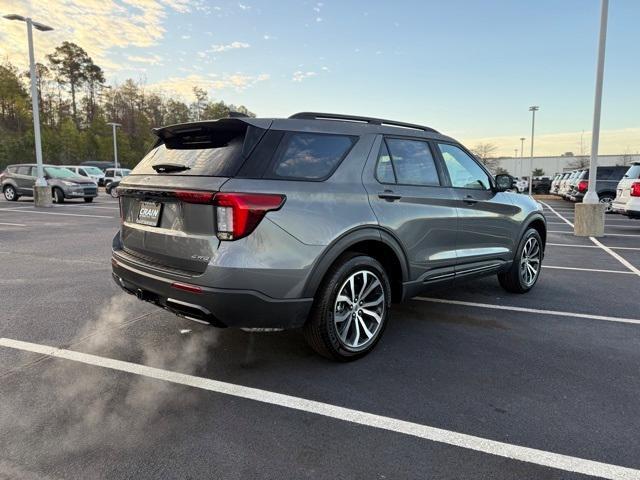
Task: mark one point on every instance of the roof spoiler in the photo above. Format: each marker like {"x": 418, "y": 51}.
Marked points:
{"x": 179, "y": 129}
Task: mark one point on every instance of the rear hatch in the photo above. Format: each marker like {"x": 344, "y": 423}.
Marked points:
{"x": 167, "y": 213}
{"x": 623, "y": 192}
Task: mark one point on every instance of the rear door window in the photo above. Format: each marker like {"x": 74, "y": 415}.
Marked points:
{"x": 24, "y": 171}
{"x": 310, "y": 156}
{"x": 411, "y": 162}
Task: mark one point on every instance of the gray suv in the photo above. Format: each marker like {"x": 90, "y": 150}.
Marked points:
{"x": 318, "y": 221}
{"x": 18, "y": 180}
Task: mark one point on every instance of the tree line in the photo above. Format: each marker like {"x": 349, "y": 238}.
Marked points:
{"x": 76, "y": 103}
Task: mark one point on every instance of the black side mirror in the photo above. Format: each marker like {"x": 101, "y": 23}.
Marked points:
{"x": 504, "y": 182}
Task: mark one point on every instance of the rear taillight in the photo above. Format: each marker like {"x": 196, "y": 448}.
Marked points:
{"x": 190, "y": 196}
{"x": 635, "y": 189}
{"x": 238, "y": 214}
{"x": 583, "y": 185}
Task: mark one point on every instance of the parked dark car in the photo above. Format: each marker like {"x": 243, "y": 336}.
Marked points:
{"x": 112, "y": 188}
{"x": 19, "y": 180}
{"x": 606, "y": 184}
{"x": 318, "y": 221}
{"x": 541, "y": 185}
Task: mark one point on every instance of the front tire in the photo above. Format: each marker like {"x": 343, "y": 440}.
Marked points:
{"x": 351, "y": 309}
{"x": 525, "y": 269}
{"x": 58, "y": 195}
{"x": 10, "y": 193}
{"x": 88, "y": 199}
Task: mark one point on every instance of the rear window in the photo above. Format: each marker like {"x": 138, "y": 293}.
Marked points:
{"x": 633, "y": 172}
{"x": 310, "y": 156}
{"x": 214, "y": 150}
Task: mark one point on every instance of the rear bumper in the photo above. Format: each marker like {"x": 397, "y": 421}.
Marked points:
{"x": 216, "y": 306}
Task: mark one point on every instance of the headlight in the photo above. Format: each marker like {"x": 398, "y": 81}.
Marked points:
{"x": 64, "y": 182}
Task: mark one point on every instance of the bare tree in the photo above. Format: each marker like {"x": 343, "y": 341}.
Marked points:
{"x": 579, "y": 162}
{"x": 485, "y": 152}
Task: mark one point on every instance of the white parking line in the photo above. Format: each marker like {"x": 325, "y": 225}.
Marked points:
{"x": 588, "y": 246}
{"x": 588, "y": 269}
{"x": 13, "y": 224}
{"x": 53, "y": 213}
{"x": 85, "y": 205}
{"x": 604, "y": 247}
{"x": 479, "y": 444}
{"x": 512, "y": 308}
{"x": 607, "y": 234}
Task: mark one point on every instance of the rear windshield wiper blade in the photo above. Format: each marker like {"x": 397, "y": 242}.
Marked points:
{"x": 169, "y": 167}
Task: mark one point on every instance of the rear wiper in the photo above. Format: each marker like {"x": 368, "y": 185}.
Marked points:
{"x": 169, "y": 167}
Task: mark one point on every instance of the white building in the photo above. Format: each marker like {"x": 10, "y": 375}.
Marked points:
{"x": 519, "y": 167}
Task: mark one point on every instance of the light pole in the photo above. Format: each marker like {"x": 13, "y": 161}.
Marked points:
{"x": 40, "y": 180}
{"x": 522, "y": 139}
{"x": 592, "y": 196}
{"x": 115, "y": 125}
{"x": 533, "y": 109}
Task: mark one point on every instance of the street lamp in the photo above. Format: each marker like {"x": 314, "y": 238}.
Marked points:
{"x": 115, "y": 125}
{"x": 522, "y": 139}
{"x": 40, "y": 181}
{"x": 533, "y": 109}
{"x": 592, "y": 196}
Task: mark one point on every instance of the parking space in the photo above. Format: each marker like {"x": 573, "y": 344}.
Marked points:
{"x": 467, "y": 382}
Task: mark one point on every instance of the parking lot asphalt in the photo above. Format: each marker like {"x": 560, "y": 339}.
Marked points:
{"x": 469, "y": 382}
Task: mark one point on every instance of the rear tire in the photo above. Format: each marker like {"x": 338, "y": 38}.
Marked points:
{"x": 341, "y": 325}
{"x": 520, "y": 277}
{"x": 10, "y": 193}
{"x": 88, "y": 199}
{"x": 607, "y": 199}
{"x": 58, "y": 195}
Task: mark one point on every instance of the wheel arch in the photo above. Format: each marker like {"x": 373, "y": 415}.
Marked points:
{"x": 373, "y": 241}
{"x": 536, "y": 221}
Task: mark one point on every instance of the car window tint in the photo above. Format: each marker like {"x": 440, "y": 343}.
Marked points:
{"x": 413, "y": 162}
{"x": 310, "y": 156}
{"x": 604, "y": 173}
{"x": 463, "y": 170}
{"x": 384, "y": 170}
{"x": 82, "y": 172}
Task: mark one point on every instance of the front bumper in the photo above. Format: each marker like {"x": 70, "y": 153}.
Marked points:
{"x": 216, "y": 306}
{"x": 81, "y": 192}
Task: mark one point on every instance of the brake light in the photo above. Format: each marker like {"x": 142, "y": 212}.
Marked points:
{"x": 583, "y": 185}
{"x": 238, "y": 214}
{"x": 190, "y": 196}
{"x": 635, "y": 189}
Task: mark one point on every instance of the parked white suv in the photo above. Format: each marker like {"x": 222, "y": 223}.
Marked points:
{"x": 94, "y": 173}
{"x": 627, "y": 201}
{"x": 113, "y": 174}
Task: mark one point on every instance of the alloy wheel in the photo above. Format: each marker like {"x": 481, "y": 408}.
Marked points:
{"x": 608, "y": 203}
{"x": 530, "y": 261}
{"x": 9, "y": 193}
{"x": 359, "y": 310}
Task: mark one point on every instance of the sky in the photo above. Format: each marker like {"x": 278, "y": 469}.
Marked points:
{"x": 470, "y": 69}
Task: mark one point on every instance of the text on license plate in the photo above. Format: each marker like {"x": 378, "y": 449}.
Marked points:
{"x": 149, "y": 213}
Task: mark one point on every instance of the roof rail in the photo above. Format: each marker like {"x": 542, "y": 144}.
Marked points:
{"x": 354, "y": 118}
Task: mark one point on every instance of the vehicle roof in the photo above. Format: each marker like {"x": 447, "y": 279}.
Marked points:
{"x": 314, "y": 122}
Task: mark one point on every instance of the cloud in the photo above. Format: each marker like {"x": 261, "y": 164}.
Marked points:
{"x": 98, "y": 26}
{"x": 151, "y": 59}
{"x": 229, "y": 46}
{"x": 299, "y": 76}
{"x": 242, "y": 6}
{"x": 183, "y": 86}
